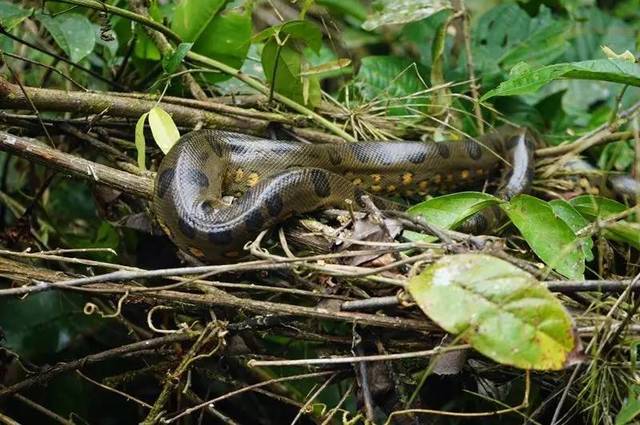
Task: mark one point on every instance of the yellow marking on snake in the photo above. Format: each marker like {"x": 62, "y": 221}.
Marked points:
{"x": 196, "y": 252}
{"x": 252, "y": 179}
{"x": 239, "y": 175}
{"x": 376, "y": 178}
{"x": 464, "y": 174}
{"x": 423, "y": 185}
{"x": 437, "y": 178}
{"x": 391, "y": 188}
{"x": 407, "y": 178}
{"x": 357, "y": 182}
{"x": 376, "y": 188}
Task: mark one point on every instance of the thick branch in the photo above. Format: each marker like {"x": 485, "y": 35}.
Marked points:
{"x": 12, "y": 97}
{"x": 34, "y": 150}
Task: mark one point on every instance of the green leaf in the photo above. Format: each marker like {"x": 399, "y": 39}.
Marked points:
{"x": 72, "y": 32}
{"x": 347, "y": 7}
{"x": 11, "y": 15}
{"x": 282, "y": 66}
{"x": 140, "y": 141}
{"x": 389, "y": 12}
{"x": 171, "y": 63}
{"x": 575, "y": 221}
{"x": 394, "y": 80}
{"x": 164, "y": 130}
{"x": 614, "y": 70}
{"x": 449, "y": 211}
{"x": 629, "y": 411}
{"x": 295, "y": 30}
{"x": 624, "y": 231}
{"x": 557, "y": 245}
{"x": 540, "y": 47}
{"x": 227, "y": 39}
{"x": 501, "y": 310}
{"x": 591, "y": 206}
{"x": 192, "y": 17}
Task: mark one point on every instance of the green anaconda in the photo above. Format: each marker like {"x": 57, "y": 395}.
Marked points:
{"x": 274, "y": 180}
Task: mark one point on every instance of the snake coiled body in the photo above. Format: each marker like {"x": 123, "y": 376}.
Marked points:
{"x": 274, "y": 180}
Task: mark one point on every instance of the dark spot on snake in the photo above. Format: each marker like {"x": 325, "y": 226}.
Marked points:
{"x": 206, "y": 206}
{"x": 360, "y": 152}
{"x": 198, "y": 178}
{"x": 531, "y": 172}
{"x": 480, "y": 222}
{"x": 186, "y": 229}
{"x": 320, "y": 183}
{"x": 216, "y": 145}
{"x": 164, "y": 181}
{"x": 443, "y": 150}
{"x": 274, "y": 204}
{"x": 220, "y": 237}
{"x": 203, "y": 155}
{"x": 417, "y": 157}
{"x": 334, "y": 157}
{"x": 473, "y": 149}
{"x": 237, "y": 148}
{"x": 281, "y": 150}
{"x": 511, "y": 142}
{"x": 254, "y": 220}
{"x": 358, "y": 194}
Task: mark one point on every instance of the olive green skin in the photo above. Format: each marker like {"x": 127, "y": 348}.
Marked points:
{"x": 274, "y": 180}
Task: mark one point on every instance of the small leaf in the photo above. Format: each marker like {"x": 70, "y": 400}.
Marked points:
{"x": 403, "y": 11}
{"x": 164, "y": 130}
{"x": 501, "y": 310}
{"x": 557, "y": 245}
{"x": 614, "y": 70}
{"x": 326, "y": 69}
{"x": 140, "y": 141}
{"x": 11, "y": 15}
{"x": 575, "y": 221}
{"x": 626, "y": 55}
{"x": 624, "y": 231}
{"x": 449, "y": 211}
{"x": 629, "y": 411}
{"x": 171, "y": 63}
{"x": 72, "y": 32}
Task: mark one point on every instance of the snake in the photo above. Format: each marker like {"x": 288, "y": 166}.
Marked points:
{"x": 272, "y": 180}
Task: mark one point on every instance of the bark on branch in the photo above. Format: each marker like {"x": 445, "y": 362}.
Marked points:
{"x": 35, "y": 150}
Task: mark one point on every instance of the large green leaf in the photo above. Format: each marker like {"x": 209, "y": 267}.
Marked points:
{"x": 283, "y": 61}
{"x": 530, "y": 80}
{"x": 192, "y": 17}
{"x": 227, "y": 39}
{"x": 449, "y": 211}
{"x": 395, "y": 81}
{"x": 501, "y": 310}
{"x": 72, "y": 32}
{"x": 12, "y": 15}
{"x": 547, "y": 234}
{"x": 389, "y": 12}
{"x": 591, "y": 206}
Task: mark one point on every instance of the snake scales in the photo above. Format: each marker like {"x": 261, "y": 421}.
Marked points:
{"x": 274, "y": 180}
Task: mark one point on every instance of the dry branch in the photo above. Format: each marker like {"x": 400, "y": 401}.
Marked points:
{"x": 35, "y": 150}
{"x": 85, "y": 103}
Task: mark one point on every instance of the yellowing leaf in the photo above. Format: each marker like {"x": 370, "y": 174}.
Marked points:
{"x": 140, "y": 142}
{"x": 500, "y": 310}
{"x": 164, "y": 130}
